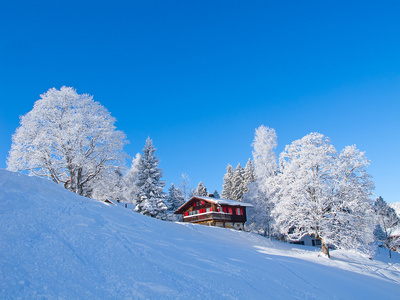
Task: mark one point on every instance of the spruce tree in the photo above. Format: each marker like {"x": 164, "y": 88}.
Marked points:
{"x": 249, "y": 175}
{"x": 216, "y": 195}
{"x": 238, "y": 185}
{"x": 227, "y": 186}
{"x": 175, "y": 198}
{"x": 151, "y": 198}
{"x": 201, "y": 190}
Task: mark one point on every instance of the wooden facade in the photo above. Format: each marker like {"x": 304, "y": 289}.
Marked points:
{"x": 214, "y": 212}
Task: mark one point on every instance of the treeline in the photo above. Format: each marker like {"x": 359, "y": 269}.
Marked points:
{"x": 311, "y": 188}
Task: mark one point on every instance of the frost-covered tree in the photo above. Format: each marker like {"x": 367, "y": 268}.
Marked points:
{"x": 265, "y": 162}
{"x": 238, "y": 184}
{"x": 262, "y": 191}
{"x": 324, "y": 194}
{"x": 109, "y": 184}
{"x": 68, "y": 138}
{"x": 388, "y": 222}
{"x": 185, "y": 181}
{"x": 151, "y": 199}
{"x": 175, "y": 198}
{"x": 201, "y": 190}
{"x": 192, "y": 193}
{"x": 380, "y": 235}
{"x": 227, "y": 186}
{"x": 249, "y": 175}
{"x": 131, "y": 190}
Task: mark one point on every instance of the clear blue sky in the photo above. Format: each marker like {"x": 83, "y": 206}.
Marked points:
{"x": 199, "y": 76}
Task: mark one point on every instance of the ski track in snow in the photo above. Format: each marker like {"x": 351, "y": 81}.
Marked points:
{"x": 57, "y": 245}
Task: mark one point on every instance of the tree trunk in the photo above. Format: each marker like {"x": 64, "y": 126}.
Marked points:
{"x": 79, "y": 189}
{"x": 325, "y": 249}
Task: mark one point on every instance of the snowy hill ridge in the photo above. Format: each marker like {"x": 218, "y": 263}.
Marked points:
{"x": 56, "y": 244}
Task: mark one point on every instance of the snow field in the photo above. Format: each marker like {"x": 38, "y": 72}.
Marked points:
{"x": 56, "y": 244}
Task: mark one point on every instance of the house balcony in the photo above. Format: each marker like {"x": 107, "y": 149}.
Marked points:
{"x": 208, "y": 216}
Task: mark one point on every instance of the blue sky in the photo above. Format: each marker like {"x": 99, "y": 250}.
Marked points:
{"x": 199, "y": 76}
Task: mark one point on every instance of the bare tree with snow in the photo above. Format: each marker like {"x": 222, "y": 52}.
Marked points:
{"x": 323, "y": 193}
{"x": 261, "y": 192}
{"x": 131, "y": 190}
{"x": 185, "y": 189}
{"x": 68, "y": 138}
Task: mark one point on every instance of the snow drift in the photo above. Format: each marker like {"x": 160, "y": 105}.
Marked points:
{"x": 56, "y": 244}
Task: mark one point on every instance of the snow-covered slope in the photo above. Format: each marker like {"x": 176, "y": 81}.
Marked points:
{"x": 55, "y": 244}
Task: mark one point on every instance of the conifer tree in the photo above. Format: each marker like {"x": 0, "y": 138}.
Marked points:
{"x": 216, "y": 195}
{"x": 201, "y": 190}
{"x": 227, "y": 186}
{"x": 249, "y": 175}
{"x": 238, "y": 185}
{"x": 175, "y": 198}
{"x": 151, "y": 198}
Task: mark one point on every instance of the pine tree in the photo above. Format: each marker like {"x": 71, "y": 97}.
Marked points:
{"x": 249, "y": 175}
{"x": 175, "y": 198}
{"x": 174, "y": 201}
{"x": 238, "y": 184}
{"x": 151, "y": 198}
{"x": 201, "y": 190}
{"x": 216, "y": 195}
{"x": 227, "y": 186}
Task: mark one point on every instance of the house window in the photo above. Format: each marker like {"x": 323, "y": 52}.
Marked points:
{"x": 318, "y": 242}
{"x": 208, "y": 209}
{"x": 238, "y": 211}
{"x": 230, "y": 210}
{"x": 224, "y": 209}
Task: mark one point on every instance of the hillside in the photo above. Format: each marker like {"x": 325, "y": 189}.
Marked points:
{"x": 55, "y": 244}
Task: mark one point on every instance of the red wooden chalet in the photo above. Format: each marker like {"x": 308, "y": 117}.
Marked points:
{"x": 214, "y": 212}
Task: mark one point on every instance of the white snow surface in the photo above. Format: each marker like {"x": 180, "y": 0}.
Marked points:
{"x": 225, "y": 201}
{"x": 56, "y": 244}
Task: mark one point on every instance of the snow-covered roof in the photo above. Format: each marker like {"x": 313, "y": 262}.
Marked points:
{"x": 224, "y": 201}
{"x": 215, "y": 201}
